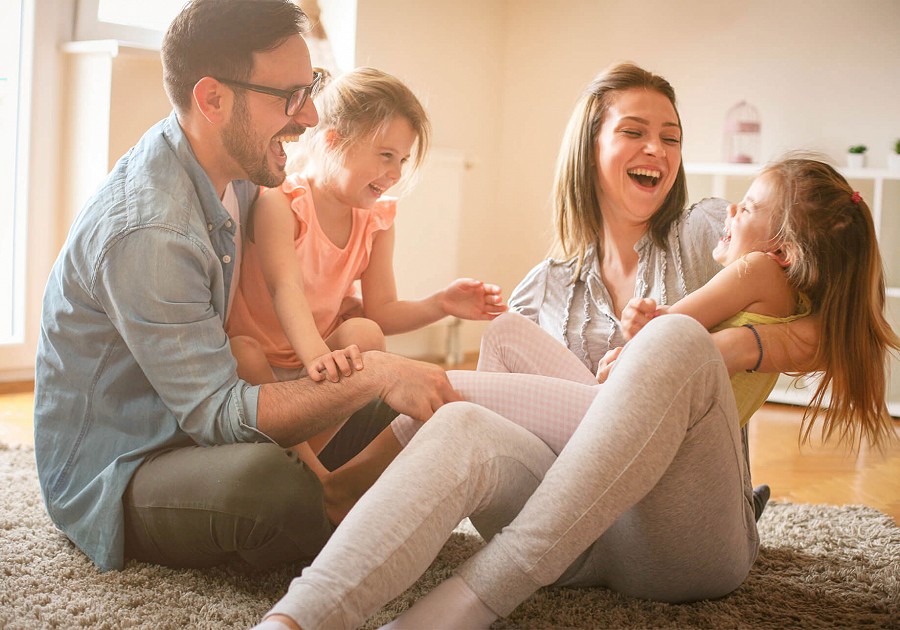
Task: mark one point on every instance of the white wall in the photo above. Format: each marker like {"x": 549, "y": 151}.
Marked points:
{"x": 501, "y": 77}
{"x": 451, "y": 54}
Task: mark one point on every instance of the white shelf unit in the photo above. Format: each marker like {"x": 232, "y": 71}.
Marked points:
{"x": 881, "y": 190}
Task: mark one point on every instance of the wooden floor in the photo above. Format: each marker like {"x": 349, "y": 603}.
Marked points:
{"x": 808, "y": 474}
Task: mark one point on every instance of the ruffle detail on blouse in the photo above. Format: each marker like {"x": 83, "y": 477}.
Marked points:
{"x": 296, "y": 187}
{"x": 294, "y": 181}
{"x": 380, "y": 218}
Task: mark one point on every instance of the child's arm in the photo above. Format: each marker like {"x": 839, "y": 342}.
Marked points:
{"x": 755, "y": 283}
{"x": 275, "y": 230}
{"x": 465, "y": 298}
{"x": 787, "y": 347}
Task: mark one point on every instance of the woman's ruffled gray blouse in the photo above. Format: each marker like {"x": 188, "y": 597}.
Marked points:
{"x": 578, "y": 311}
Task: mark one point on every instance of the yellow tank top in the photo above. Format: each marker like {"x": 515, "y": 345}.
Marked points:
{"x": 751, "y": 389}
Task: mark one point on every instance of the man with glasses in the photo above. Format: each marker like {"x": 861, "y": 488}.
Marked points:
{"x": 148, "y": 445}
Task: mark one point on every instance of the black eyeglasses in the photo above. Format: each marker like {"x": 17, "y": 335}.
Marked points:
{"x": 294, "y": 100}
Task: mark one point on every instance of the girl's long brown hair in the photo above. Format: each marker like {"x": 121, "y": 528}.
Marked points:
{"x": 828, "y": 235}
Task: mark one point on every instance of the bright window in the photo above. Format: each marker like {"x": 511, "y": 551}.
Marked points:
{"x": 14, "y": 109}
{"x": 133, "y": 21}
{"x": 154, "y": 15}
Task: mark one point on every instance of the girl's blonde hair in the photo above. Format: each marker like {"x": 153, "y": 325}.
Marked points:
{"x": 358, "y": 106}
{"x": 826, "y": 231}
{"x": 579, "y": 222}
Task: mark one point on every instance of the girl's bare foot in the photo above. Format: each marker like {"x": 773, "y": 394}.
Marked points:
{"x": 341, "y": 491}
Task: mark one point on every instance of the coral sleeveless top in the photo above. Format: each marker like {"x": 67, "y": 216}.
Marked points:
{"x": 329, "y": 272}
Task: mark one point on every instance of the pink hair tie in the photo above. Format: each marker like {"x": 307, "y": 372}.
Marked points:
{"x": 855, "y": 197}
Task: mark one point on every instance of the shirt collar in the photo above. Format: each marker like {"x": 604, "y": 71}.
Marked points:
{"x": 214, "y": 212}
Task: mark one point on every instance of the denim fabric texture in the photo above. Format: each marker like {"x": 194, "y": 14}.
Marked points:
{"x": 132, "y": 356}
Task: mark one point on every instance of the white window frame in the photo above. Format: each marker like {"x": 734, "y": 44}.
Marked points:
{"x": 15, "y": 88}
{"x": 88, "y": 26}
{"x": 14, "y": 349}
{"x": 38, "y": 166}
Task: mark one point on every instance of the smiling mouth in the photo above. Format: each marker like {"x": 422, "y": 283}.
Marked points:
{"x": 290, "y": 133}
{"x": 645, "y": 177}
{"x": 377, "y": 189}
{"x": 287, "y": 137}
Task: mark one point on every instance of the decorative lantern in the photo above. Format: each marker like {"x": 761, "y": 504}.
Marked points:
{"x": 742, "y": 131}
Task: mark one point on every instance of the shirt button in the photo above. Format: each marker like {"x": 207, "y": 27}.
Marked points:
{"x": 226, "y": 259}
{"x": 228, "y": 223}
{"x": 209, "y": 227}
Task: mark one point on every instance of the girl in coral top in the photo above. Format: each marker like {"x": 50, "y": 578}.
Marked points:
{"x": 288, "y": 316}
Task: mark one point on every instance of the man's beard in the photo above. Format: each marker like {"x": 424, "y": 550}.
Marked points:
{"x": 238, "y": 138}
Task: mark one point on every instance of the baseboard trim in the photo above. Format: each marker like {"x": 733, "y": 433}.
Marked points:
{"x": 16, "y": 387}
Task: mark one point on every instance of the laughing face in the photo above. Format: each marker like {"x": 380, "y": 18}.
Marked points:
{"x": 749, "y": 226}
{"x": 638, "y": 152}
{"x": 372, "y": 166}
{"x": 253, "y": 136}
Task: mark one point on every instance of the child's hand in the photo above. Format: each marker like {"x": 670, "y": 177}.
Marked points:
{"x": 607, "y": 363}
{"x": 335, "y": 363}
{"x": 472, "y": 299}
{"x": 636, "y": 314}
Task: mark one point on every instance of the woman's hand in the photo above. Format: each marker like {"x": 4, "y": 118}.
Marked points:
{"x": 637, "y": 313}
{"x": 472, "y": 299}
{"x": 607, "y": 363}
{"x": 332, "y": 365}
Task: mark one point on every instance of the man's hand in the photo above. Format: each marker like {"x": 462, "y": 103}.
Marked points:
{"x": 472, "y": 299}
{"x": 415, "y": 388}
{"x": 291, "y": 412}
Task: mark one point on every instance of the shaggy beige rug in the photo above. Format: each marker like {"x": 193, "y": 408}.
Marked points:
{"x": 819, "y": 567}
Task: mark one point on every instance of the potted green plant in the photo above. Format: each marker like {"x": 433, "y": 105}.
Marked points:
{"x": 856, "y": 156}
{"x": 894, "y": 158}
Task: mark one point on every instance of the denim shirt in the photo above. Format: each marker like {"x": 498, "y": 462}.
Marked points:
{"x": 132, "y": 356}
{"x": 578, "y": 311}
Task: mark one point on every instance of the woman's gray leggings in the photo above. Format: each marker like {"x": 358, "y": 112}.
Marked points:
{"x": 650, "y": 497}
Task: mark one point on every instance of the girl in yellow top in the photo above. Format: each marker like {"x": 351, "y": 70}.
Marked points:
{"x": 753, "y": 288}
{"x": 327, "y": 227}
{"x": 800, "y": 243}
